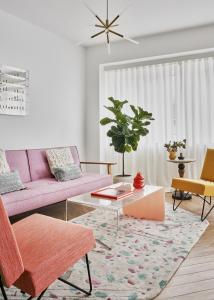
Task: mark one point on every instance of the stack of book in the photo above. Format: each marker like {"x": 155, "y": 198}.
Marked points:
{"x": 114, "y": 193}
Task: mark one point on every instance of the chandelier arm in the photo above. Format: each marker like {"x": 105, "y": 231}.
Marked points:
{"x": 100, "y": 26}
{"x": 98, "y": 18}
{"x": 108, "y": 43}
{"x": 93, "y": 36}
{"x": 107, "y": 37}
{"x": 114, "y": 20}
{"x": 93, "y": 12}
{"x": 109, "y": 48}
{"x": 130, "y": 40}
{"x": 116, "y": 33}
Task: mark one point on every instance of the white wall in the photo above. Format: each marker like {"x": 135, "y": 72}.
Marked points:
{"x": 172, "y": 42}
{"x": 57, "y": 87}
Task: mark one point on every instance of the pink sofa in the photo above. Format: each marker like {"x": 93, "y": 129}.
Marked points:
{"x": 41, "y": 187}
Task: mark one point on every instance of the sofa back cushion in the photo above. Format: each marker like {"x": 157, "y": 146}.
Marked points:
{"x": 4, "y": 167}
{"x": 18, "y": 160}
{"x": 59, "y": 157}
{"x": 39, "y": 167}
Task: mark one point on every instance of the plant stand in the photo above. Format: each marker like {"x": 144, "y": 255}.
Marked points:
{"x": 181, "y": 195}
{"x": 125, "y": 178}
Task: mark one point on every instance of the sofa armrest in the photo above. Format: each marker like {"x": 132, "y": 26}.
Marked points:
{"x": 108, "y": 164}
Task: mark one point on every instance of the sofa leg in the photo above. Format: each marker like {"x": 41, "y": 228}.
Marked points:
{"x": 3, "y": 290}
{"x": 89, "y": 278}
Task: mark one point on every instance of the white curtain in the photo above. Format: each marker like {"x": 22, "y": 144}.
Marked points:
{"x": 181, "y": 97}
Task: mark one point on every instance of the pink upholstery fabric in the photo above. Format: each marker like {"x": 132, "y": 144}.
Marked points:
{"x": 39, "y": 167}
{"x": 38, "y": 163}
{"x": 17, "y": 160}
{"x": 11, "y": 266}
{"x": 48, "y": 249}
{"x": 47, "y": 191}
{"x": 42, "y": 188}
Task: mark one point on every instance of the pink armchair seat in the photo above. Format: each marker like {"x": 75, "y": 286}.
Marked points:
{"x": 35, "y": 251}
{"x": 44, "y": 242}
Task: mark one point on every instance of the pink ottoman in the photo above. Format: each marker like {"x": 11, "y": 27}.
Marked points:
{"x": 149, "y": 204}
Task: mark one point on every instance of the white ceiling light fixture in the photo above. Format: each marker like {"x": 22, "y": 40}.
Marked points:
{"x": 108, "y": 26}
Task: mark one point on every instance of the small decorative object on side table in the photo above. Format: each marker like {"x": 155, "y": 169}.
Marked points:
{"x": 181, "y": 170}
{"x": 172, "y": 148}
{"x": 138, "y": 181}
{"x": 181, "y": 157}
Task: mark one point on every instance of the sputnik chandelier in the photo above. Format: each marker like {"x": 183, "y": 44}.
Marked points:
{"x": 107, "y": 27}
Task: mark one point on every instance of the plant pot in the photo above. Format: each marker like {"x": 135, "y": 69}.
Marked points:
{"x": 172, "y": 155}
{"x": 123, "y": 178}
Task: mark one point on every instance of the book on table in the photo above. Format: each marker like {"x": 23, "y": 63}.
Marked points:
{"x": 114, "y": 193}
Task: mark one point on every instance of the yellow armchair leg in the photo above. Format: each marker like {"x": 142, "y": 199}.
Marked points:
{"x": 205, "y": 201}
{"x": 209, "y": 211}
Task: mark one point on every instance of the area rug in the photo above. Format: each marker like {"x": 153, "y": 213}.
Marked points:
{"x": 144, "y": 256}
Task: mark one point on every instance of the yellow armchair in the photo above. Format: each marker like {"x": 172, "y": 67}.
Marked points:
{"x": 203, "y": 187}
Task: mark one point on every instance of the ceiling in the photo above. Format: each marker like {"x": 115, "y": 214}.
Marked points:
{"x": 71, "y": 19}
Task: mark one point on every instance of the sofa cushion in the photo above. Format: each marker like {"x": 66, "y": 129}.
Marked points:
{"x": 59, "y": 157}
{"x": 39, "y": 167}
{"x": 10, "y": 182}
{"x": 68, "y": 172}
{"x": 4, "y": 167}
{"x": 47, "y": 191}
{"x": 18, "y": 160}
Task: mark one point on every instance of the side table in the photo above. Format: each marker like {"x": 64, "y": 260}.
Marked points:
{"x": 181, "y": 170}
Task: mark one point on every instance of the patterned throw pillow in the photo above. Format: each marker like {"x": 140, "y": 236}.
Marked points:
{"x": 59, "y": 157}
{"x": 4, "y": 167}
{"x": 68, "y": 172}
{"x": 10, "y": 182}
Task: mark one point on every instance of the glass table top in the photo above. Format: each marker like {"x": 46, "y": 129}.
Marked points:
{"x": 88, "y": 200}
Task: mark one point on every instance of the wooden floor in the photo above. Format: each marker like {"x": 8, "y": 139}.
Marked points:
{"x": 194, "y": 280}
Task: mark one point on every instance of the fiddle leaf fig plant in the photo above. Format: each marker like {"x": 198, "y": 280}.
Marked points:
{"x": 126, "y": 131}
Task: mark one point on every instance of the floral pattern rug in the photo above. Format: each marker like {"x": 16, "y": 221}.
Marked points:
{"x": 144, "y": 256}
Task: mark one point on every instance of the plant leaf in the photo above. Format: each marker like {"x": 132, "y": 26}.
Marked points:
{"x": 106, "y": 121}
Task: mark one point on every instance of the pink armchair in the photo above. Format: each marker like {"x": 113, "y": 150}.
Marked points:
{"x": 35, "y": 251}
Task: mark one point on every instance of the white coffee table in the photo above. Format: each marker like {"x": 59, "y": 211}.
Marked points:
{"x": 143, "y": 203}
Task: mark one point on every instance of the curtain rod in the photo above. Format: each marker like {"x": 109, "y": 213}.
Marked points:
{"x": 154, "y": 58}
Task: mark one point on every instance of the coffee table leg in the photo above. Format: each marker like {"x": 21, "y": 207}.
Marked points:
{"x": 118, "y": 217}
{"x": 117, "y": 230}
{"x": 103, "y": 244}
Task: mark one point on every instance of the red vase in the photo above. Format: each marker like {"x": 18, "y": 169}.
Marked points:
{"x": 138, "y": 181}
